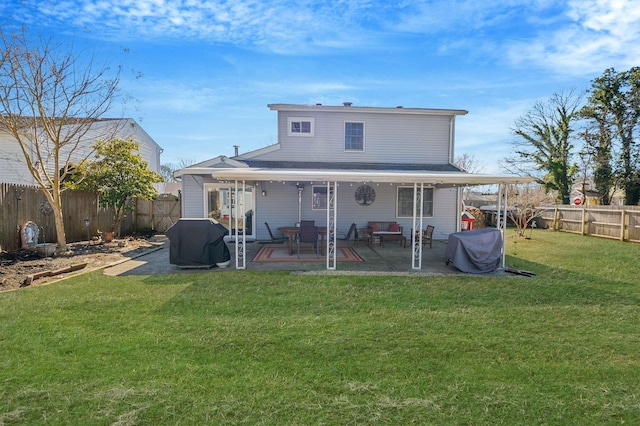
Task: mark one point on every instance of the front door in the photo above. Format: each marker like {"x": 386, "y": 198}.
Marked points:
{"x": 222, "y": 204}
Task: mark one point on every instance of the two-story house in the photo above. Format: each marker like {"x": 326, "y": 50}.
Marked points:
{"x": 12, "y": 163}
{"x": 338, "y": 165}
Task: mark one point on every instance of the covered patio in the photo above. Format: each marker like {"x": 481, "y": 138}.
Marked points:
{"x": 409, "y": 259}
{"x": 392, "y": 258}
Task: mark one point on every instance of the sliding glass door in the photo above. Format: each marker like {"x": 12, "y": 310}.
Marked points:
{"x": 225, "y": 206}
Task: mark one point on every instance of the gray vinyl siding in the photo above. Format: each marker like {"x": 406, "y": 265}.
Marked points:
{"x": 388, "y": 138}
{"x": 280, "y": 208}
{"x": 193, "y": 196}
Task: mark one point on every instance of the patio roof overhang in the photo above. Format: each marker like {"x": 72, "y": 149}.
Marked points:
{"x": 444, "y": 179}
{"x": 420, "y": 178}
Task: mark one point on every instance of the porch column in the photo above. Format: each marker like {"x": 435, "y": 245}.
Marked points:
{"x": 501, "y": 220}
{"x": 416, "y": 238}
{"x": 239, "y": 213}
{"x": 332, "y": 203}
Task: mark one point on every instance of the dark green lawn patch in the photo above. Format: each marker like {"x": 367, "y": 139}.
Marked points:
{"x": 246, "y": 347}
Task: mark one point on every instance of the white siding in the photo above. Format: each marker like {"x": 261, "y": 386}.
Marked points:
{"x": 12, "y": 167}
{"x": 14, "y": 170}
{"x": 397, "y": 138}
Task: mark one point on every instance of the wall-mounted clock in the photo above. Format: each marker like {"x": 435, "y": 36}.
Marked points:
{"x": 365, "y": 195}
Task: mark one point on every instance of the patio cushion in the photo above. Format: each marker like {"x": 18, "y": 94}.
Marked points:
{"x": 394, "y": 227}
{"x": 376, "y": 226}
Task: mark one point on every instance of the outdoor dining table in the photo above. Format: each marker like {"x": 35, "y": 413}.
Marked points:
{"x": 292, "y": 231}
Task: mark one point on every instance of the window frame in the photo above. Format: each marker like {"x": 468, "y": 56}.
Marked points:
{"x": 312, "y": 126}
{"x": 426, "y": 212}
{"x": 318, "y": 203}
{"x": 345, "y": 136}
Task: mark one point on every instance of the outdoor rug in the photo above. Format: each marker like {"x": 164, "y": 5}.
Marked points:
{"x": 281, "y": 254}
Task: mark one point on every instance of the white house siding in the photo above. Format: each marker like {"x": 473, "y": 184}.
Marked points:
{"x": 149, "y": 149}
{"x": 14, "y": 170}
{"x": 398, "y": 138}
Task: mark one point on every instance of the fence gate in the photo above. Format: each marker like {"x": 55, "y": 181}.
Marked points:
{"x": 153, "y": 215}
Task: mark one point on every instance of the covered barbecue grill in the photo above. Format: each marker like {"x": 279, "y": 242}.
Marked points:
{"x": 476, "y": 251}
{"x": 197, "y": 243}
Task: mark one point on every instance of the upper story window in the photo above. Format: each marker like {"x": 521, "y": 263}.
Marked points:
{"x": 354, "y": 136}
{"x": 300, "y": 126}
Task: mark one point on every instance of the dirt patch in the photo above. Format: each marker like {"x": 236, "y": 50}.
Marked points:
{"x": 18, "y": 269}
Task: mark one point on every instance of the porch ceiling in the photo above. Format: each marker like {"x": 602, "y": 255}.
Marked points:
{"x": 429, "y": 178}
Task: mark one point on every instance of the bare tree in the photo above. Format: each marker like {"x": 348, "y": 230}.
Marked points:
{"x": 467, "y": 163}
{"x": 526, "y": 201}
{"x": 167, "y": 169}
{"x": 50, "y": 97}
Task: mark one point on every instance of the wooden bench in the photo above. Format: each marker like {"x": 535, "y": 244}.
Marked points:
{"x": 386, "y": 230}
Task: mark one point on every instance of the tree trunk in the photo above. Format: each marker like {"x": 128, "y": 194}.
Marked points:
{"x": 55, "y": 199}
{"x": 117, "y": 220}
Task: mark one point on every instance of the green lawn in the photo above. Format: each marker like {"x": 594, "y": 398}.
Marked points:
{"x": 272, "y": 348}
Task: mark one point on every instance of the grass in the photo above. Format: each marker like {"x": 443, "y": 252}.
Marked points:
{"x": 266, "y": 348}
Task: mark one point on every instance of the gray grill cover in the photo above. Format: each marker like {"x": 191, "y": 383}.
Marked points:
{"x": 475, "y": 251}
{"x": 197, "y": 243}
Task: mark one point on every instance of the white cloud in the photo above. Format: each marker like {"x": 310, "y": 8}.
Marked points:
{"x": 601, "y": 34}
{"x": 283, "y": 27}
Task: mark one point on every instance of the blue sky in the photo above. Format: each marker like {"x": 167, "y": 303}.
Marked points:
{"x": 202, "y": 72}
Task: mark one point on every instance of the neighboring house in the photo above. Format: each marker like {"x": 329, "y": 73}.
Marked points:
{"x": 14, "y": 170}
{"x": 374, "y": 161}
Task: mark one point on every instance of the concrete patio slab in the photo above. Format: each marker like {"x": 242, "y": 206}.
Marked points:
{"x": 392, "y": 259}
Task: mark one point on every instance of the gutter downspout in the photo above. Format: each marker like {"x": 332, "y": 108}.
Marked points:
{"x": 451, "y": 138}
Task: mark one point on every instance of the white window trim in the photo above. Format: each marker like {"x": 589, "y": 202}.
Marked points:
{"x": 433, "y": 201}
{"x": 311, "y": 120}
{"x": 323, "y": 207}
{"x": 344, "y": 135}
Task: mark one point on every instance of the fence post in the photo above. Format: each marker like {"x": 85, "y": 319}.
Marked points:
{"x": 623, "y": 225}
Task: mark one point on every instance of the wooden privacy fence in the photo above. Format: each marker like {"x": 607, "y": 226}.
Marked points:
{"x": 615, "y": 222}
{"x": 152, "y": 215}
{"x": 20, "y": 204}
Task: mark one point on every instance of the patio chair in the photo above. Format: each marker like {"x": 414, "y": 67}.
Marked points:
{"x": 362, "y": 234}
{"x": 308, "y": 234}
{"x": 274, "y": 239}
{"x": 351, "y": 231}
{"x": 427, "y": 236}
